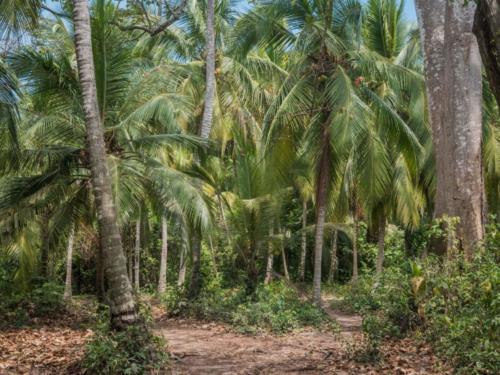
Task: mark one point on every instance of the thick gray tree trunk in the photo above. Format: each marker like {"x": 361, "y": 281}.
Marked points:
{"x": 454, "y": 93}
{"x": 122, "y": 304}
{"x": 137, "y": 254}
{"x": 487, "y": 30}
{"x": 206, "y": 126}
{"x": 68, "y": 287}
{"x": 162, "y": 282}
{"x": 333, "y": 257}
{"x": 303, "y": 238}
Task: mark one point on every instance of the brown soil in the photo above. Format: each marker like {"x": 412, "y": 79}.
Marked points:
{"x": 199, "y": 348}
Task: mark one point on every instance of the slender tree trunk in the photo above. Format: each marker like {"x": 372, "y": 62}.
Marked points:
{"x": 283, "y": 255}
{"x": 453, "y": 78}
{"x": 355, "y": 274}
{"x": 380, "y": 245}
{"x": 122, "y": 304}
{"x": 206, "y": 126}
{"x": 321, "y": 201}
{"x": 224, "y": 221}
{"x": 68, "y": 287}
{"x": 206, "y": 123}
{"x": 333, "y": 257}
{"x": 303, "y": 235}
{"x": 270, "y": 257}
{"x": 99, "y": 275}
{"x": 162, "y": 282}
{"x": 137, "y": 254}
{"x": 487, "y": 30}
{"x": 195, "y": 282}
{"x": 182, "y": 267}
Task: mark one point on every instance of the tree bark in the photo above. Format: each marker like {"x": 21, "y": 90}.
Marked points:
{"x": 137, "y": 254}
{"x": 183, "y": 259}
{"x": 283, "y": 255}
{"x": 321, "y": 202}
{"x": 380, "y": 245}
{"x": 487, "y": 31}
{"x": 303, "y": 237}
{"x": 122, "y": 304}
{"x": 270, "y": 257}
{"x": 206, "y": 122}
{"x": 162, "y": 282}
{"x": 205, "y": 127}
{"x": 68, "y": 287}
{"x": 454, "y": 93}
{"x": 333, "y": 257}
{"x": 355, "y": 273}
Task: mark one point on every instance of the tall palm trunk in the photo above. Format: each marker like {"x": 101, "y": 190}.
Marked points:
{"x": 333, "y": 257}
{"x": 303, "y": 252}
{"x": 68, "y": 287}
{"x": 183, "y": 258}
{"x": 454, "y": 92}
{"x": 208, "y": 110}
{"x": 206, "y": 126}
{"x": 164, "y": 253}
{"x": 137, "y": 254}
{"x": 321, "y": 202}
{"x": 380, "y": 245}
{"x": 270, "y": 257}
{"x": 283, "y": 255}
{"x": 355, "y": 274}
{"x": 122, "y": 304}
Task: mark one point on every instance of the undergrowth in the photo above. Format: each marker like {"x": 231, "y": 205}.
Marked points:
{"x": 274, "y": 308}
{"x": 454, "y": 305}
{"x": 135, "y": 350}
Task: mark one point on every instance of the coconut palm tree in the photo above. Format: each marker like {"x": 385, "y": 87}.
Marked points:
{"x": 326, "y": 92}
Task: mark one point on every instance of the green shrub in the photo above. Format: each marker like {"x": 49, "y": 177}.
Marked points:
{"x": 455, "y": 304}
{"x": 274, "y": 308}
{"x": 17, "y": 307}
{"x": 462, "y": 314}
{"x": 132, "y": 351}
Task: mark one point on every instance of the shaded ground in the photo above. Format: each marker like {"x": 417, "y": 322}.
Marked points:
{"x": 55, "y": 346}
{"x": 200, "y": 349}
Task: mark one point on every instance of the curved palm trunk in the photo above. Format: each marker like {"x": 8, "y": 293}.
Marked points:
{"x": 137, "y": 254}
{"x": 380, "y": 245}
{"x": 333, "y": 257}
{"x": 321, "y": 201}
{"x": 162, "y": 282}
{"x": 270, "y": 258}
{"x": 303, "y": 252}
{"x": 122, "y": 304}
{"x": 206, "y": 126}
{"x": 68, "y": 287}
{"x": 454, "y": 92}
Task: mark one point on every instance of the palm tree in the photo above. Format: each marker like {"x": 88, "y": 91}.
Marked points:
{"x": 123, "y": 308}
{"x": 324, "y": 91}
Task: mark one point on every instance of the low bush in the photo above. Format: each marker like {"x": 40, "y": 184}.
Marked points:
{"x": 275, "y": 308}
{"x": 454, "y": 305}
{"x": 135, "y": 350}
{"x": 17, "y": 307}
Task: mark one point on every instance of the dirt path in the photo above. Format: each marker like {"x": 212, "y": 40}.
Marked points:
{"x": 198, "y": 348}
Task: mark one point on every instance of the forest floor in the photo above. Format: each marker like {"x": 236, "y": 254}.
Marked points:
{"x": 55, "y": 346}
{"x": 202, "y": 348}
